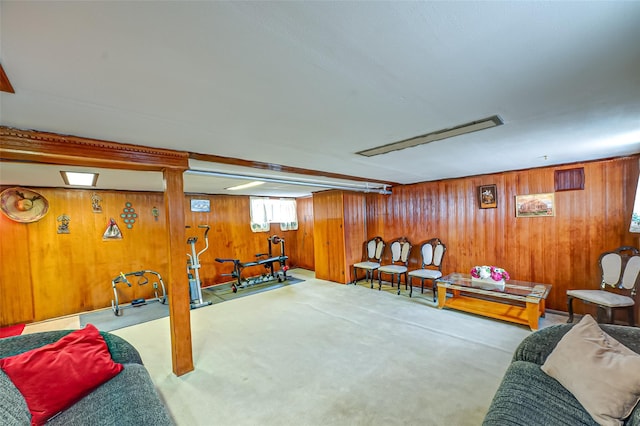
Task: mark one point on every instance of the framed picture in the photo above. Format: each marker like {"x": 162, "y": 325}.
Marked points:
{"x": 535, "y": 205}
{"x": 200, "y": 205}
{"x": 488, "y": 196}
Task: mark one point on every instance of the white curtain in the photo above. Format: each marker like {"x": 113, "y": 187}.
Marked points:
{"x": 266, "y": 210}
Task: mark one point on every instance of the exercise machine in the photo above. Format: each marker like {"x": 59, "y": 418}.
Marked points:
{"x": 143, "y": 279}
{"x": 268, "y": 260}
{"x": 193, "y": 266}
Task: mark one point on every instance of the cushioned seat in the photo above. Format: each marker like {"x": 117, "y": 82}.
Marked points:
{"x": 400, "y": 250}
{"x": 372, "y": 253}
{"x": 528, "y": 396}
{"x": 620, "y": 270}
{"x": 432, "y": 253}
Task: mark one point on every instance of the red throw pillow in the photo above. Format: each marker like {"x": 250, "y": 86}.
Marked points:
{"x": 53, "y": 377}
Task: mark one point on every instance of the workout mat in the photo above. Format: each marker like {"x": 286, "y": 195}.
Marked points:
{"x": 105, "y": 320}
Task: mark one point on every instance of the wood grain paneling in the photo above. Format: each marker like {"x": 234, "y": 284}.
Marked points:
{"x": 339, "y": 230}
{"x": 44, "y": 274}
{"x": 300, "y": 246}
{"x": 328, "y": 227}
{"x": 562, "y": 250}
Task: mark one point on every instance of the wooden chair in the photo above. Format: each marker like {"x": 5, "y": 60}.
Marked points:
{"x": 371, "y": 260}
{"x": 400, "y": 250}
{"x": 432, "y": 253}
{"x": 620, "y": 269}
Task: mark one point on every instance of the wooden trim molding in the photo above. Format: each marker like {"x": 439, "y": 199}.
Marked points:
{"x": 281, "y": 168}
{"x": 41, "y": 147}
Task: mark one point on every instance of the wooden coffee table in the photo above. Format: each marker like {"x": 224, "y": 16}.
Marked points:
{"x": 521, "y": 302}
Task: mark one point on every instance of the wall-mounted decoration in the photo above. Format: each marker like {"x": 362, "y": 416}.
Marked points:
{"x": 23, "y": 205}
{"x": 535, "y": 205}
{"x": 95, "y": 203}
{"x": 112, "y": 232}
{"x": 569, "y": 179}
{"x": 63, "y": 227}
{"x": 129, "y": 215}
{"x": 200, "y": 206}
{"x": 488, "y": 196}
{"x": 155, "y": 213}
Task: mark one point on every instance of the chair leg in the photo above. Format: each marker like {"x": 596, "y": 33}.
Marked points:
{"x": 379, "y": 281}
{"x": 434, "y": 290}
{"x": 421, "y": 285}
{"x": 399, "y": 282}
{"x": 355, "y": 275}
{"x": 632, "y": 320}
{"x": 570, "y": 308}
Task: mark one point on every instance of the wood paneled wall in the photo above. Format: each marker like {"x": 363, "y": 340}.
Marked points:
{"x": 44, "y": 274}
{"x": 562, "y": 250}
{"x": 339, "y": 229}
{"x": 300, "y": 244}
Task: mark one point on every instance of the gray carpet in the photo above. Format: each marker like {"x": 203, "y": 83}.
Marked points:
{"x": 106, "y": 320}
{"x": 325, "y": 354}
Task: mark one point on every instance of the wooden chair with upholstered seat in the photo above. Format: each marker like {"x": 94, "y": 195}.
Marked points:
{"x": 432, "y": 253}
{"x": 371, "y": 259}
{"x": 400, "y": 250}
{"x": 620, "y": 269}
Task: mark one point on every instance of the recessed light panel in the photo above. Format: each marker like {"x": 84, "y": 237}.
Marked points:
{"x": 473, "y": 126}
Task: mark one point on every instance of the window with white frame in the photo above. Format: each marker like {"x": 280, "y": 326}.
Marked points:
{"x": 265, "y": 211}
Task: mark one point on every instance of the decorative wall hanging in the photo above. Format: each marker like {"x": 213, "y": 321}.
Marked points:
{"x": 129, "y": 215}
{"x": 200, "y": 206}
{"x": 113, "y": 231}
{"x": 63, "y": 227}
{"x": 95, "y": 203}
{"x": 535, "y": 205}
{"x": 23, "y": 205}
{"x": 488, "y": 196}
{"x": 155, "y": 213}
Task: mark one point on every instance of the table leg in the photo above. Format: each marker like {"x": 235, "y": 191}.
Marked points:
{"x": 442, "y": 296}
{"x": 533, "y": 313}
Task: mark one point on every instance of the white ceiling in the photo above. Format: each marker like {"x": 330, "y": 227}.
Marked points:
{"x": 308, "y": 84}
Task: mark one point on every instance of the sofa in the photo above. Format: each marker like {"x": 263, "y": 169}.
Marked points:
{"x": 529, "y": 396}
{"x": 129, "y": 398}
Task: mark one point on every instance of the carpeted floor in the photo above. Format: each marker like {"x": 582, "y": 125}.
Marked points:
{"x": 320, "y": 353}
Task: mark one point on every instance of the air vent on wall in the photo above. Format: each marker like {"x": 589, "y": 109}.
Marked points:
{"x": 462, "y": 129}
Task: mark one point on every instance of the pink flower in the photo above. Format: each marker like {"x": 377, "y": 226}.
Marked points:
{"x": 474, "y": 273}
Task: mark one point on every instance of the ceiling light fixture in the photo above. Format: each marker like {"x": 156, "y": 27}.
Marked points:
{"x": 79, "y": 178}
{"x": 367, "y": 187}
{"x": 245, "y": 185}
{"x": 462, "y": 129}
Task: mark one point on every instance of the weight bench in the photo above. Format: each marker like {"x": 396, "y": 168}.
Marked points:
{"x": 269, "y": 264}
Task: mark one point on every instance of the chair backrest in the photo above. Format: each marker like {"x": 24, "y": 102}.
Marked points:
{"x": 400, "y": 250}
{"x": 374, "y": 248}
{"x": 432, "y": 253}
{"x": 620, "y": 268}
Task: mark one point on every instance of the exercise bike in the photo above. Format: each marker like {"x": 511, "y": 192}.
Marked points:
{"x": 143, "y": 278}
{"x": 193, "y": 265}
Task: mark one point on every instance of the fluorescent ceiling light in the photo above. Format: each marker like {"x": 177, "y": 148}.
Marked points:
{"x": 474, "y": 126}
{"x": 245, "y": 185}
{"x": 79, "y": 178}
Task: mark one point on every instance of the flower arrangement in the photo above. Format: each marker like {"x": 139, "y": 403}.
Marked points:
{"x": 493, "y": 272}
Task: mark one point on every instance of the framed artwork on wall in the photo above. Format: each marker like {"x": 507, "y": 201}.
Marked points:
{"x": 535, "y": 205}
{"x": 488, "y": 196}
{"x": 200, "y": 206}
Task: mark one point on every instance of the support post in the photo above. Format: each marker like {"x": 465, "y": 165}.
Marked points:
{"x": 179, "y": 300}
